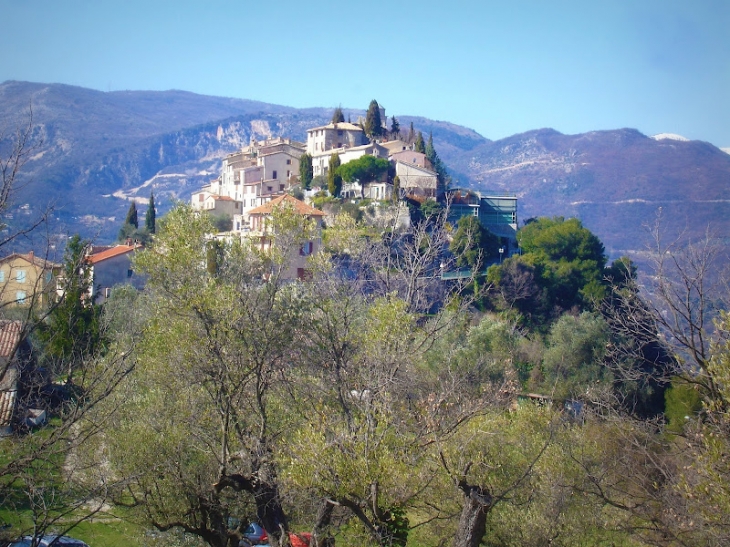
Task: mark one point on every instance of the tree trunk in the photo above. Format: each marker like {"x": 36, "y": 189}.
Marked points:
{"x": 321, "y": 537}
{"x": 473, "y": 519}
{"x": 271, "y": 514}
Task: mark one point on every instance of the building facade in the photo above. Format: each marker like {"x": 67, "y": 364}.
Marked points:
{"x": 496, "y": 213}
{"x": 26, "y": 280}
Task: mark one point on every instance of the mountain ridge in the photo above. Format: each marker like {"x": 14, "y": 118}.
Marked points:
{"x": 97, "y": 145}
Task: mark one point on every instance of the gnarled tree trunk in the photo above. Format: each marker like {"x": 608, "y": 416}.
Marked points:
{"x": 473, "y": 520}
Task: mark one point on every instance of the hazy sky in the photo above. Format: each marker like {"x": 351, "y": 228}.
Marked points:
{"x": 497, "y": 67}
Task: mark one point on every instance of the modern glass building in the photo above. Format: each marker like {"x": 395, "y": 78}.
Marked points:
{"x": 496, "y": 213}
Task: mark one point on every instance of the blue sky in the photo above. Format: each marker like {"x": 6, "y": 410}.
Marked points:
{"x": 499, "y": 68}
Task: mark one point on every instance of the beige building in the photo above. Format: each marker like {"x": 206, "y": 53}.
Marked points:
{"x": 411, "y": 157}
{"x": 415, "y": 179}
{"x": 260, "y": 230}
{"x": 251, "y": 177}
{"x": 334, "y": 136}
{"x": 26, "y": 280}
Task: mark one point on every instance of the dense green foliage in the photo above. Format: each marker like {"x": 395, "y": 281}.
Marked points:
{"x": 473, "y": 244}
{"x": 72, "y": 332}
{"x": 561, "y": 268}
{"x": 373, "y": 123}
{"x": 364, "y": 169}
{"x": 419, "y": 145}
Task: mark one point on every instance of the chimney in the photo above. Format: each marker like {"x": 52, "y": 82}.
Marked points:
{"x": 129, "y": 242}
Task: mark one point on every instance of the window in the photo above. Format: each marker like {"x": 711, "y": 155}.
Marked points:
{"x": 107, "y": 292}
{"x": 281, "y": 187}
{"x": 339, "y": 132}
{"x": 20, "y": 276}
{"x": 129, "y": 273}
{"x": 2, "y": 276}
{"x": 288, "y": 162}
{"x": 20, "y": 297}
{"x": 306, "y": 249}
{"x": 274, "y": 175}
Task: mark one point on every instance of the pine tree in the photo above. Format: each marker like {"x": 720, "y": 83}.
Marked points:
{"x": 338, "y": 116}
{"x": 373, "y": 124}
{"x": 394, "y": 128}
{"x": 306, "y": 172}
{"x": 420, "y": 146}
{"x": 150, "y": 216}
{"x": 334, "y": 180}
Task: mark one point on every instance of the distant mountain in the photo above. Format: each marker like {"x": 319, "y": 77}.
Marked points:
{"x": 614, "y": 181}
{"x": 100, "y": 149}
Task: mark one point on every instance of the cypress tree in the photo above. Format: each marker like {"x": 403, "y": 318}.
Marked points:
{"x": 334, "y": 180}
{"x": 338, "y": 116}
{"x": 131, "y": 224}
{"x": 411, "y": 134}
{"x": 420, "y": 145}
{"x": 373, "y": 124}
{"x": 132, "y": 216}
{"x": 436, "y": 162}
{"x": 394, "y": 128}
{"x": 305, "y": 171}
{"x": 149, "y": 218}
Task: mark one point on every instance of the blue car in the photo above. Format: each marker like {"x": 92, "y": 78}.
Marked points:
{"x": 49, "y": 541}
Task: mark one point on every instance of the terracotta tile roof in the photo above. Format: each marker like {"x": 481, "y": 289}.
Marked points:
{"x": 10, "y": 332}
{"x": 8, "y": 395}
{"x": 32, "y": 259}
{"x": 223, "y": 198}
{"x": 286, "y": 201}
{"x": 110, "y": 253}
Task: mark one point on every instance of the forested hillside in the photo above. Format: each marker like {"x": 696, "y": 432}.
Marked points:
{"x": 551, "y": 401}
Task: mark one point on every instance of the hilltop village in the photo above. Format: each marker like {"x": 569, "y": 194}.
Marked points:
{"x": 351, "y": 161}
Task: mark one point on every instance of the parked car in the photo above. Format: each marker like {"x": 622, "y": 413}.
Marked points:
{"x": 49, "y": 541}
{"x": 256, "y": 535}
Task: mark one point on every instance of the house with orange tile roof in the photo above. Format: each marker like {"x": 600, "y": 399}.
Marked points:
{"x": 111, "y": 267}
{"x": 27, "y": 280}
